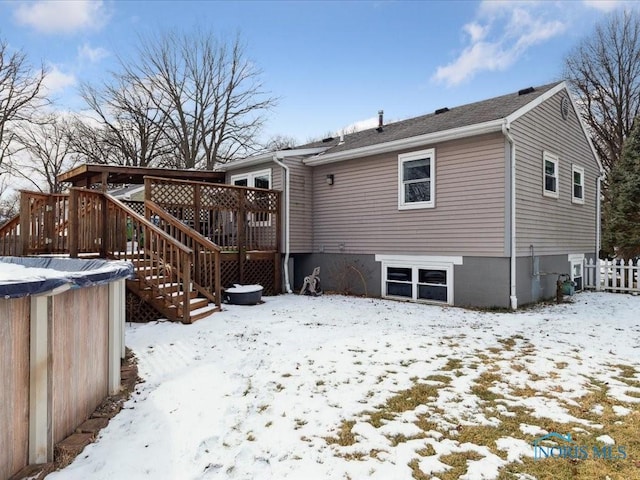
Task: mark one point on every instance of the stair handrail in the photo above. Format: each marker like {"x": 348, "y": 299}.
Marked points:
{"x": 10, "y": 238}
{"x": 206, "y": 254}
{"x": 175, "y": 257}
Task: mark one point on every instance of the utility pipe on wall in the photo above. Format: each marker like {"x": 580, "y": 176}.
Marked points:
{"x": 513, "y": 299}
{"x": 286, "y": 221}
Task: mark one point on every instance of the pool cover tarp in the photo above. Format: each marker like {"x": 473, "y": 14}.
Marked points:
{"x": 21, "y": 276}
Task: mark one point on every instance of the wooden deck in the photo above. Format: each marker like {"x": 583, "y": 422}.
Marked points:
{"x": 187, "y": 240}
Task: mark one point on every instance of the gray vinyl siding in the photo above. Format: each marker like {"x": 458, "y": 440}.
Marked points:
{"x": 301, "y": 235}
{"x": 301, "y": 199}
{"x": 553, "y": 225}
{"x": 359, "y": 213}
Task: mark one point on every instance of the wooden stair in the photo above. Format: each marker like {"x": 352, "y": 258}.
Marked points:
{"x": 148, "y": 269}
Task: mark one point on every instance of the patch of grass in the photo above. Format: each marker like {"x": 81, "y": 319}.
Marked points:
{"x": 345, "y": 436}
{"x": 262, "y": 408}
{"x": 427, "y": 451}
{"x": 416, "y": 473}
{"x": 319, "y": 383}
{"x": 400, "y": 438}
{"x": 439, "y": 378}
{"x": 633, "y": 393}
{"x": 626, "y": 371}
{"x": 507, "y": 343}
{"x": 286, "y": 375}
{"x": 561, "y": 365}
{"x": 483, "y": 384}
{"x": 459, "y": 462}
{"x": 452, "y": 364}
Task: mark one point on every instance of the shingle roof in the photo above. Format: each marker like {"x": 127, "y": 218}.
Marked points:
{"x": 456, "y": 117}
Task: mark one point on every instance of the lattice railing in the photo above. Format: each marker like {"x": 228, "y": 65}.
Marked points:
{"x": 234, "y": 218}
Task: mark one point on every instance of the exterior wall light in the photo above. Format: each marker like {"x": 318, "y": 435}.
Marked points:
{"x": 330, "y": 179}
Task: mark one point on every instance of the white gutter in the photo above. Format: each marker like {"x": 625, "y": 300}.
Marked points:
{"x": 267, "y": 157}
{"x": 286, "y": 221}
{"x": 410, "y": 142}
{"x": 513, "y": 299}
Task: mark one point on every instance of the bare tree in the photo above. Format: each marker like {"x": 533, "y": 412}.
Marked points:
{"x": 45, "y": 154}
{"x": 209, "y": 94}
{"x": 130, "y": 125}
{"x": 21, "y": 95}
{"x": 604, "y": 72}
{"x": 279, "y": 142}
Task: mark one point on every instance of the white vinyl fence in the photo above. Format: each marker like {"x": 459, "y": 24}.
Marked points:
{"x": 611, "y": 275}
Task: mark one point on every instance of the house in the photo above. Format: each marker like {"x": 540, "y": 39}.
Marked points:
{"x": 484, "y": 204}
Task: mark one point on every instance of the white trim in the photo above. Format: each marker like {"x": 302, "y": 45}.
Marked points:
{"x": 410, "y": 142}
{"x": 580, "y": 170}
{"x": 250, "y": 177}
{"x": 419, "y": 155}
{"x": 411, "y": 259}
{"x": 537, "y": 101}
{"x": 548, "y": 156}
{"x": 576, "y": 259}
{"x": 416, "y": 263}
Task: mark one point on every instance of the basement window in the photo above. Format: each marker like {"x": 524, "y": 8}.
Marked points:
{"x": 550, "y": 164}
{"x": 577, "y": 270}
{"x": 418, "y": 279}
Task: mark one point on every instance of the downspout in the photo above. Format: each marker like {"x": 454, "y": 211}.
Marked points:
{"x": 513, "y": 299}
{"x": 596, "y": 260}
{"x": 286, "y": 222}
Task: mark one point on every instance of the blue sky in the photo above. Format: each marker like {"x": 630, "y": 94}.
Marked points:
{"x": 332, "y": 64}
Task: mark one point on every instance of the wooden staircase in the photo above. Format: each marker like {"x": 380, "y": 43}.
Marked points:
{"x": 177, "y": 270}
{"x": 146, "y": 271}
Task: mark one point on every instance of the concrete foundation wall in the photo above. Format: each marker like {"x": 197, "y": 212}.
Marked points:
{"x": 478, "y": 282}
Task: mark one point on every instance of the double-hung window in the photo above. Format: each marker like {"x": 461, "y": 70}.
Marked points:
{"x": 550, "y": 166}
{"x": 258, "y": 179}
{"x": 577, "y": 179}
{"x": 416, "y": 179}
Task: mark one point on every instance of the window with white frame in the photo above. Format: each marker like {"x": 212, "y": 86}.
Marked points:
{"x": 258, "y": 179}
{"x": 416, "y": 179}
{"x": 550, "y": 165}
{"x": 577, "y": 180}
{"x": 577, "y": 270}
{"x": 422, "y": 279}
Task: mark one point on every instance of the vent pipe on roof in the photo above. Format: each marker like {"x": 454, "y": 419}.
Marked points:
{"x": 442, "y": 110}
{"x": 524, "y": 91}
{"x": 380, "y": 120}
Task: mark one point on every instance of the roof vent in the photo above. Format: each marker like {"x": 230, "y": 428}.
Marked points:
{"x": 328, "y": 139}
{"x": 441, "y": 110}
{"x": 524, "y": 91}
{"x": 380, "y": 120}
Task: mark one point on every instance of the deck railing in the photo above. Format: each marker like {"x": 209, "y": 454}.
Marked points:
{"x": 234, "y": 218}
{"x": 10, "y": 238}
{"x": 206, "y": 254}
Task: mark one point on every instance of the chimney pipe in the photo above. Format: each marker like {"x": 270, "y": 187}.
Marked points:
{"x": 380, "y": 120}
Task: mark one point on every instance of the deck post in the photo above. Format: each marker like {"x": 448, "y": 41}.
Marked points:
{"x": 73, "y": 223}
{"x": 25, "y": 223}
{"x": 196, "y": 208}
{"x": 105, "y": 225}
{"x": 242, "y": 248}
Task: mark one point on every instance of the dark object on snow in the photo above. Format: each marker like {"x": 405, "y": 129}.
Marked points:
{"x": 311, "y": 284}
{"x": 564, "y": 286}
{"x": 243, "y": 294}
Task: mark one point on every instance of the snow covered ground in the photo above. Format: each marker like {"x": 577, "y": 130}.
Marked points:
{"x": 261, "y": 392}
